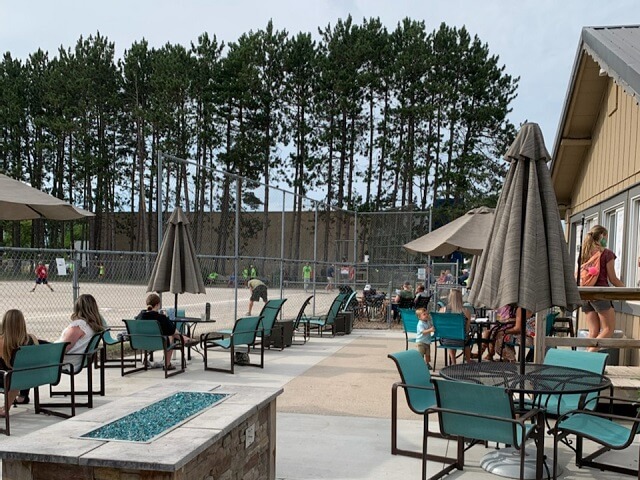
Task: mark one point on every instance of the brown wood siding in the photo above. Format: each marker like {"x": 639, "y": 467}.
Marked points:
{"x": 612, "y": 164}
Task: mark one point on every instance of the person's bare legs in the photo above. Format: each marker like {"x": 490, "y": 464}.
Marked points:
{"x": 452, "y": 356}
{"x": 13, "y": 394}
{"x": 601, "y": 325}
{"x": 250, "y": 307}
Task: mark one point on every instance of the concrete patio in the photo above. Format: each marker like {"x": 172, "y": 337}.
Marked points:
{"x": 333, "y": 419}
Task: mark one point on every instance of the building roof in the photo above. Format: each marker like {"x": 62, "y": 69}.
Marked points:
{"x": 602, "y": 52}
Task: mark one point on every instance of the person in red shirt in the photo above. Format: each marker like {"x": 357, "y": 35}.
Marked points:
{"x": 41, "y": 276}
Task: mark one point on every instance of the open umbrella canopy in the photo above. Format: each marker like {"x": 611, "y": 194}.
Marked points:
{"x": 467, "y": 233}
{"x": 526, "y": 262}
{"x": 177, "y": 269}
{"x": 19, "y": 201}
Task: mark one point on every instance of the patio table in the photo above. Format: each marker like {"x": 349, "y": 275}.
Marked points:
{"x": 192, "y": 323}
{"x": 537, "y": 379}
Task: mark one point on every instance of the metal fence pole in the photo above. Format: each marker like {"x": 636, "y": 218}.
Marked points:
{"x": 284, "y": 199}
{"x": 315, "y": 256}
{"x": 355, "y": 249}
{"x": 236, "y": 254}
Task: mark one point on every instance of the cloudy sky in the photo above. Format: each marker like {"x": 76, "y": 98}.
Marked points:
{"x": 535, "y": 40}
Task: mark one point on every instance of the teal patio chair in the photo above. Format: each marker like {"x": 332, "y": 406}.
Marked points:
{"x": 594, "y": 362}
{"x": 145, "y": 336}
{"x": 33, "y": 367}
{"x": 415, "y": 380}
{"x": 108, "y": 340}
{"x": 612, "y": 432}
{"x": 409, "y": 321}
{"x": 450, "y": 332}
{"x": 323, "y": 322}
{"x": 88, "y": 357}
{"x": 269, "y": 327}
{"x": 244, "y": 334}
{"x": 473, "y": 414}
{"x": 300, "y": 320}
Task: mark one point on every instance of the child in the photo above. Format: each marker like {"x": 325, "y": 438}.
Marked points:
{"x": 424, "y": 331}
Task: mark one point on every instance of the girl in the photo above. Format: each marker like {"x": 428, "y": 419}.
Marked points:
{"x": 600, "y": 315}
{"x": 456, "y": 305}
{"x": 85, "y": 321}
{"x": 13, "y": 336}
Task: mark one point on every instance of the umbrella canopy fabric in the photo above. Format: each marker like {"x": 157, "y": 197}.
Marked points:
{"x": 467, "y": 233}
{"x": 19, "y": 201}
{"x": 526, "y": 262}
{"x": 177, "y": 269}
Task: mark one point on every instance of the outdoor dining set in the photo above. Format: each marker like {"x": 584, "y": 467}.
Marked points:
{"x": 131, "y": 350}
{"x": 480, "y": 402}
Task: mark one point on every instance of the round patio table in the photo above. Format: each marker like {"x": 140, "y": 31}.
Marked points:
{"x": 537, "y": 379}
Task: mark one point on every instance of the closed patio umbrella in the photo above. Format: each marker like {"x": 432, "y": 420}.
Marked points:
{"x": 467, "y": 233}
{"x": 526, "y": 262}
{"x": 177, "y": 269}
{"x": 19, "y": 201}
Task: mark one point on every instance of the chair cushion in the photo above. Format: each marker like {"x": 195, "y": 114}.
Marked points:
{"x": 601, "y": 429}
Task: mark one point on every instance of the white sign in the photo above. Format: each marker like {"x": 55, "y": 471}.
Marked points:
{"x": 62, "y": 266}
{"x": 422, "y": 274}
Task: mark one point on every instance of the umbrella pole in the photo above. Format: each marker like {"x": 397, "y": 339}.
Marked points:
{"x": 523, "y": 315}
{"x": 176, "y": 305}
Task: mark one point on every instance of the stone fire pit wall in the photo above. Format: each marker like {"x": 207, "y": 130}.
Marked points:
{"x": 211, "y": 445}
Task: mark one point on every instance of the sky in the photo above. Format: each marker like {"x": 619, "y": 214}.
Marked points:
{"x": 535, "y": 40}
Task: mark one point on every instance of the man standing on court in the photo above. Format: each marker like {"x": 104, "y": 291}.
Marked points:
{"x": 331, "y": 271}
{"x": 258, "y": 291}
{"x": 42, "y": 273}
{"x": 306, "y": 275}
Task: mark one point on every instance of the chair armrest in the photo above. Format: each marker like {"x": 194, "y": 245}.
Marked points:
{"x": 397, "y": 385}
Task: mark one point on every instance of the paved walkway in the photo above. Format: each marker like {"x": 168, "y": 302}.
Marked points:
{"x": 333, "y": 418}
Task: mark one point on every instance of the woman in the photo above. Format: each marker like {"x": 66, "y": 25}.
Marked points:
{"x": 13, "y": 336}
{"x": 511, "y": 331}
{"x": 456, "y": 305}
{"x": 85, "y": 322}
{"x": 167, "y": 327}
{"x": 600, "y": 315}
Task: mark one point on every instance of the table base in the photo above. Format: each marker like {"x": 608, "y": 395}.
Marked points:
{"x": 506, "y": 463}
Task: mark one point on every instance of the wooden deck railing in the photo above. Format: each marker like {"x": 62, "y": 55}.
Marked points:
{"x": 588, "y": 293}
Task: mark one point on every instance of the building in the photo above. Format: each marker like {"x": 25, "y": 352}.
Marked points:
{"x": 596, "y": 161}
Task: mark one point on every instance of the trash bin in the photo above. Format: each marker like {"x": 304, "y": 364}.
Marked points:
{"x": 614, "y": 353}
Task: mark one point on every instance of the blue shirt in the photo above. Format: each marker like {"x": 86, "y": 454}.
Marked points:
{"x": 426, "y": 337}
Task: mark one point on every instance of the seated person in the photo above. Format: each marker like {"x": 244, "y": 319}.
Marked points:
{"x": 85, "y": 322}
{"x": 167, "y": 327}
{"x": 13, "y": 336}
{"x": 505, "y": 317}
{"x": 404, "y": 299}
{"x": 422, "y": 297}
{"x": 511, "y": 333}
{"x": 456, "y": 305}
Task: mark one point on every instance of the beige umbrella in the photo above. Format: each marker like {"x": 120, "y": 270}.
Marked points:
{"x": 177, "y": 269}
{"x": 19, "y": 201}
{"x": 527, "y": 261}
{"x": 467, "y": 233}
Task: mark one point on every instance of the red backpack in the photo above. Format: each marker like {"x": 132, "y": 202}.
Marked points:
{"x": 590, "y": 270}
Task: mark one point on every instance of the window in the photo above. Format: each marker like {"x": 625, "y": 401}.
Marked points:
{"x": 614, "y": 223}
{"x": 633, "y": 265}
{"x": 579, "y": 233}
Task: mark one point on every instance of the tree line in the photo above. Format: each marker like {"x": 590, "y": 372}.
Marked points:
{"x": 375, "y": 118}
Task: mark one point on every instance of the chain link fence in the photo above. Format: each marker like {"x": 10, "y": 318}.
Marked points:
{"x": 240, "y": 229}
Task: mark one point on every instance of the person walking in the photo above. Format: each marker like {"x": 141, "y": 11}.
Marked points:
{"x": 306, "y": 276}
{"x": 600, "y": 315}
{"x": 42, "y": 276}
{"x": 331, "y": 271}
{"x": 258, "y": 291}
